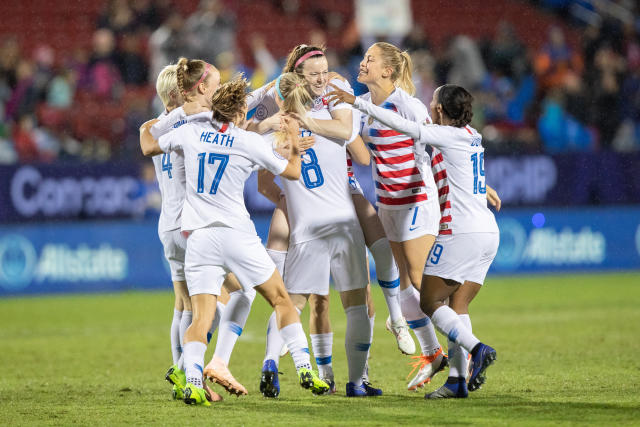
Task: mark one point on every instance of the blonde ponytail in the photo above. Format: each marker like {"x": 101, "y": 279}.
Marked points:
{"x": 405, "y": 80}
{"x": 296, "y": 98}
{"x": 401, "y": 64}
{"x": 188, "y": 73}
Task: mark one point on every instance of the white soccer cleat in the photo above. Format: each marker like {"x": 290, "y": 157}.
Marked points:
{"x": 400, "y": 330}
{"x": 428, "y": 367}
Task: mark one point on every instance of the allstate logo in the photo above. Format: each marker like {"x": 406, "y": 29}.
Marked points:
{"x": 17, "y": 262}
{"x": 513, "y": 240}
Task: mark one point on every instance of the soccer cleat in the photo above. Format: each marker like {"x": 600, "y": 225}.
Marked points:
{"x": 269, "y": 382}
{"x": 212, "y": 396}
{"x": 178, "y": 392}
{"x": 216, "y": 371}
{"x": 371, "y": 390}
{"x": 469, "y": 368}
{"x": 453, "y": 388}
{"x": 428, "y": 367}
{"x": 332, "y": 384}
{"x": 400, "y": 330}
{"x": 311, "y": 381}
{"x": 356, "y": 390}
{"x": 484, "y": 357}
{"x": 176, "y": 376}
{"x": 195, "y": 395}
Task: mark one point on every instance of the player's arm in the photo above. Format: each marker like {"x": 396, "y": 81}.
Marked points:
{"x": 493, "y": 198}
{"x": 264, "y": 126}
{"x": 148, "y": 144}
{"x": 267, "y": 186}
{"x": 359, "y": 152}
{"x": 339, "y": 127}
{"x": 292, "y": 170}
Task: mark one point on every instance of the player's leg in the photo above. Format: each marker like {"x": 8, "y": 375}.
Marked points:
{"x": 322, "y": 338}
{"x": 459, "y": 301}
{"x": 178, "y": 307}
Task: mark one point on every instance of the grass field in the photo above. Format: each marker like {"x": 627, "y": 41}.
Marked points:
{"x": 567, "y": 347}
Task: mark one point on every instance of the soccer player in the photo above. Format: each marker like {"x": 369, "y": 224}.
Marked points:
{"x": 219, "y": 157}
{"x": 325, "y": 235}
{"x": 406, "y": 193}
{"x": 459, "y": 261}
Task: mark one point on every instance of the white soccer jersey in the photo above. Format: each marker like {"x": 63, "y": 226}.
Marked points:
{"x": 218, "y": 160}
{"x": 402, "y": 176}
{"x": 441, "y": 178}
{"x": 169, "y": 169}
{"x": 463, "y": 158}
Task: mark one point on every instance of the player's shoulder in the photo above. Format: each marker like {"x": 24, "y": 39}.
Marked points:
{"x": 337, "y": 80}
{"x": 408, "y": 106}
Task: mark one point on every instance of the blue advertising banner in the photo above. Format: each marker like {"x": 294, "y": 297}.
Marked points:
{"x": 120, "y": 255}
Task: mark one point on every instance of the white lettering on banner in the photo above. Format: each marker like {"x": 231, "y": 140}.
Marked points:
{"x": 527, "y": 179}
{"x": 546, "y": 246}
{"x": 58, "y": 262}
{"x": 31, "y": 193}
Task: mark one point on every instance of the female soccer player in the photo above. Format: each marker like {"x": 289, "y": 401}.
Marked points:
{"x": 462, "y": 256}
{"x": 405, "y": 190}
{"x": 219, "y": 157}
{"x": 310, "y": 63}
{"x": 325, "y": 234}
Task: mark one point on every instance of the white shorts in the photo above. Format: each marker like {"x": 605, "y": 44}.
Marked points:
{"x": 462, "y": 257}
{"x": 343, "y": 255}
{"x": 408, "y": 224}
{"x": 354, "y": 186}
{"x": 175, "y": 246}
{"x": 213, "y": 252}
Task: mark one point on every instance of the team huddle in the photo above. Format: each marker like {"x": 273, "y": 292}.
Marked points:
{"x": 432, "y": 237}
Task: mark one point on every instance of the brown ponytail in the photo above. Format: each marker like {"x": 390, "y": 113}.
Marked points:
{"x": 229, "y": 101}
{"x": 401, "y": 64}
{"x": 188, "y": 73}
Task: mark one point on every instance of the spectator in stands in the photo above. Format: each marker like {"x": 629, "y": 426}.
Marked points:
{"x": 61, "y": 89}
{"x": 212, "y": 21}
{"x": 605, "y": 90}
{"x": 167, "y": 44}
{"x": 23, "y": 138}
{"x": 129, "y": 60}
{"x": 24, "y": 96}
{"x": 556, "y": 60}
{"x": 467, "y": 66}
{"x": 103, "y": 73}
{"x": 506, "y": 54}
{"x": 266, "y": 65}
{"x": 9, "y": 58}
{"x": 118, "y": 17}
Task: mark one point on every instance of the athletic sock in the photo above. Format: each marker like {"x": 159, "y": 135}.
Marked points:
{"x": 278, "y": 258}
{"x": 322, "y": 345}
{"x": 216, "y": 320}
{"x": 194, "y": 361}
{"x": 185, "y": 322}
{"x": 463, "y": 363}
{"x": 388, "y": 276}
{"x": 418, "y": 321}
{"x": 232, "y": 323}
{"x": 293, "y": 335}
{"x": 449, "y": 323}
{"x": 176, "y": 345}
{"x": 274, "y": 340}
{"x": 357, "y": 341}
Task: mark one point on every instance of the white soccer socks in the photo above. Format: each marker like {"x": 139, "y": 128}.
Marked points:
{"x": 176, "y": 344}
{"x": 216, "y": 320}
{"x": 274, "y": 340}
{"x": 357, "y": 341}
{"x": 458, "y": 356}
{"x": 418, "y": 321}
{"x": 293, "y": 335}
{"x": 194, "y": 362}
{"x": 322, "y": 346}
{"x": 388, "y": 276}
{"x": 449, "y": 323}
{"x": 232, "y": 322}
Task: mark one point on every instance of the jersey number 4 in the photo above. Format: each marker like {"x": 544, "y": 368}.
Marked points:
{"x": 310, "y": 170}
{"x": 166, "y": 164}
{"x": 479, "y": 187}
{"x": 223, "y": 159}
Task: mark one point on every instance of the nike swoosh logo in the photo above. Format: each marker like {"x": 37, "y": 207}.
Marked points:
{"x": 413, "y": 228}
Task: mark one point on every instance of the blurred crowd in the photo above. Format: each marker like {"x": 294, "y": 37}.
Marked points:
{"x": 87, "y": 104}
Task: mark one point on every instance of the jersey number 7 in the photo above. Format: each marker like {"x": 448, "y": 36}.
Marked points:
{"x": 223, "y": 159}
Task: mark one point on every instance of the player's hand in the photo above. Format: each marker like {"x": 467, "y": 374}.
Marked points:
{"x": 302, "y": 120}
{"x": 305, "y": 143}
{"x": 274, "y": 122}
{"x": 339, "y": 95}
{"x": 493, "y": 198}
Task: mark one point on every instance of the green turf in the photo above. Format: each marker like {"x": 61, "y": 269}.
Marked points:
{"x": 567, "y": 347}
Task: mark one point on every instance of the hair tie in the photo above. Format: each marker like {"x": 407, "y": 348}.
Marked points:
{"x": 278, "y": 87}
{"x": 206, "y": 71}
{"x": 306, "y": 56}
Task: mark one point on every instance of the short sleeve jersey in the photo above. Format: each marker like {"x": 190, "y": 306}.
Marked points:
{"x": 218, "y": 160}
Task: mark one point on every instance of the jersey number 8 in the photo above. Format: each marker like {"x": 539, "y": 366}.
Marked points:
{"x": 223, "y": 158}
{"x": 310, "y": 170}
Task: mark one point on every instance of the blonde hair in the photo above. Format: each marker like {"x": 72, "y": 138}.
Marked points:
{"x": 400, "y": 62}
{"x": 229, "y": 101}
{"x": 188, "y": 72}
{"x": 167, "y": 85}
{"x": 296, "y": 98}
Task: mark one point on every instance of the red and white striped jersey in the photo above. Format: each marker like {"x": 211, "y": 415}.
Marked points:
{"x": 439, "y": 171}
{"x": 403, "y": 178}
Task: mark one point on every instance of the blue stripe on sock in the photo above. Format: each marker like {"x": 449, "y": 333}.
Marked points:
{"x": 323, "y": 360}
{"x": 453, "y": 334}
{"x": 419, "y": 323}
{"x": 209, "y": 335}
{"x": 389, "y": 285}
{"x": 306, "y": 350}
{"x": 235, "y": 328}
{"x": 198, "y": 366}
{"x": 361, "y": 346}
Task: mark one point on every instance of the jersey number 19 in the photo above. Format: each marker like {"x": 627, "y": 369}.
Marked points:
{"x": 479, "y": 186}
